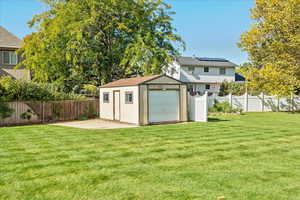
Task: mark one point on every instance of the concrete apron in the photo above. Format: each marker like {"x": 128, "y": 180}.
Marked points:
{"x": 95, "y": 124}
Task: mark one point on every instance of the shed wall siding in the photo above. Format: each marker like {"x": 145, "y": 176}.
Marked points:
{"x": 129, "y": 113}
{"x": 106, "y": 109}
{"x": 163, "y": 80}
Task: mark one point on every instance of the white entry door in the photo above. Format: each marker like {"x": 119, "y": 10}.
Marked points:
{"x": 163, "y": 106}
{"x": 117, "y": 105}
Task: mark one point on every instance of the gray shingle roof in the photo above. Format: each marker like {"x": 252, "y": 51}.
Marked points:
{"x": 9, "y": 40}
{"x": 188, "y": 61}
{"x": 211, "y": 62}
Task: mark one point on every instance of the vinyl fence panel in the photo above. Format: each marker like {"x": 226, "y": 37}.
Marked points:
{"x": 261, "y": 103}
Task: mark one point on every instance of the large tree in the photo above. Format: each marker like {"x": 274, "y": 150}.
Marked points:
{"x": 96, "y": 41}
{"x": 273, "y": 45}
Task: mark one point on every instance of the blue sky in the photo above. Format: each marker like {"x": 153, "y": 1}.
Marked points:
{"x": 210, "y": 28}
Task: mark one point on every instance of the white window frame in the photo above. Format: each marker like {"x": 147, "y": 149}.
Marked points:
{"x": 104, "y": 95}
{"x": 220, "y": 71}
{"x": 207, "y": 69}
{"x": 173, "y": 71}
{"x": 191, "y": 69}
{"x": 10, "y": 54}
{"x": 127, "y": 100}
{"x": 209, "y": 86}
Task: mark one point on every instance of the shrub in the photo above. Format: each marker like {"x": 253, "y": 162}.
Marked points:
{"x": 232, "y": 87}
{"x": 91, "y": 90}
{"x": 17, "y": 90}
{"x": 224, "y": 107}
{"x": 27, "y": 115}
{"x": 5, "y": 111}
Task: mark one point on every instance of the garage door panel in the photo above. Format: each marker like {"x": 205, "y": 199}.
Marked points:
{"x": 163, "y": 106}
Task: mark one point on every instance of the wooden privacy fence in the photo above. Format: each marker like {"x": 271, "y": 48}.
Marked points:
{"x": 34, "y": 112}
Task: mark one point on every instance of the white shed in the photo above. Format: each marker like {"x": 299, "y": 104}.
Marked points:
{"x": 144, "y": 100}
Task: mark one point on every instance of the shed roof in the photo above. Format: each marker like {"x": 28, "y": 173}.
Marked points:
{"x": 130, "y": 81}
{"x": 9, "y": 40}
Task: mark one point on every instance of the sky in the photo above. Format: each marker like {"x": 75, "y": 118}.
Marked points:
{"x": 210, "y": 28}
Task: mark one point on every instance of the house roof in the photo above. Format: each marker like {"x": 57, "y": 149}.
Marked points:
{"x": 3, "y": 73}
{"x": 9, "y": 40}
{"x": 211, "y": 62}
{"x": 130, "y": 81}
{"x": 188, "y": 61}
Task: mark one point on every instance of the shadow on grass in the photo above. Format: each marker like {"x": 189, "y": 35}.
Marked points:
{"x": 211, "y": 119}
{"x": 293, "y": 112}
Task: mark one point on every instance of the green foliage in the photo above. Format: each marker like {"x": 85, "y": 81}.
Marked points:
{"x": 273, "y": 45}
{"x": 90, "y": 90}
{"x": 82, "y": 118}
{"x": 18, "y": 90}
{"x": 27, "y": 115}
{"x": 5, "y": 110}
{"x": 223, "y": 107}
{"x": 93, "y": 42}
{"x": 233, "y": 88}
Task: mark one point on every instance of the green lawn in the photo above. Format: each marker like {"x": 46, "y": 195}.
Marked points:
{"x": 249, "y": 157}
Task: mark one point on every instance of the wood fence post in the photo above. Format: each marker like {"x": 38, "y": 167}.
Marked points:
{"x": 43, "y": 111}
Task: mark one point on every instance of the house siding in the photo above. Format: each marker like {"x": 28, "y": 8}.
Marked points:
{"x": 213, "y": 76}
{"x": 19, "y": 74}
{"x": 9, "y": 42}
{"x": 198, "y": 78}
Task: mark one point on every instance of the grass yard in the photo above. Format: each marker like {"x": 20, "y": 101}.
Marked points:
{"x": 249, "y": 157}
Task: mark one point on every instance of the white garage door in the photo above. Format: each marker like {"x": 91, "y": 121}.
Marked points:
{"x": 163, "y": 106}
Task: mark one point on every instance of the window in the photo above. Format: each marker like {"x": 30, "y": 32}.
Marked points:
{"x": 191, "y": 69}
{"x": 207, "y": 87}
{"x": 206, "y": 69}
{"x": 105, "y": 97}
{"x": 9, "y": 57}
{"x": 190, "y": 88}
{"x": 128, "y": 97}
{"x": 222, "y": 71}
{"x": 173, "y": 71}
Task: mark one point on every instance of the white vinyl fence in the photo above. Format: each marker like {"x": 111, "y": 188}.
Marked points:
{"x": 198, "y": 108}
{"x": 261, "y": 103}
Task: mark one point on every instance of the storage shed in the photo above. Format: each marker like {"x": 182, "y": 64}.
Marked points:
{"x": 144, "y": 100}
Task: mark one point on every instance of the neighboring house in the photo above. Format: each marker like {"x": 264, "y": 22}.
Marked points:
{"x": 144, "y": 100}
{"x": 202, "y": 74}
{"x": 9, "y": 44}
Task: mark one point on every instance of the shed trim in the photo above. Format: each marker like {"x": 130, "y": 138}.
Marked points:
{"x": 137, "y": 83}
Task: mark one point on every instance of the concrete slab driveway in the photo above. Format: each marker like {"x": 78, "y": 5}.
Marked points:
{"x": 95, "y": 124}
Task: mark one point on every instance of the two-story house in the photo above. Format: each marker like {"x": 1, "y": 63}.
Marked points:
{"x": 202, "y": 74}
{"x": 9, "y": 44}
